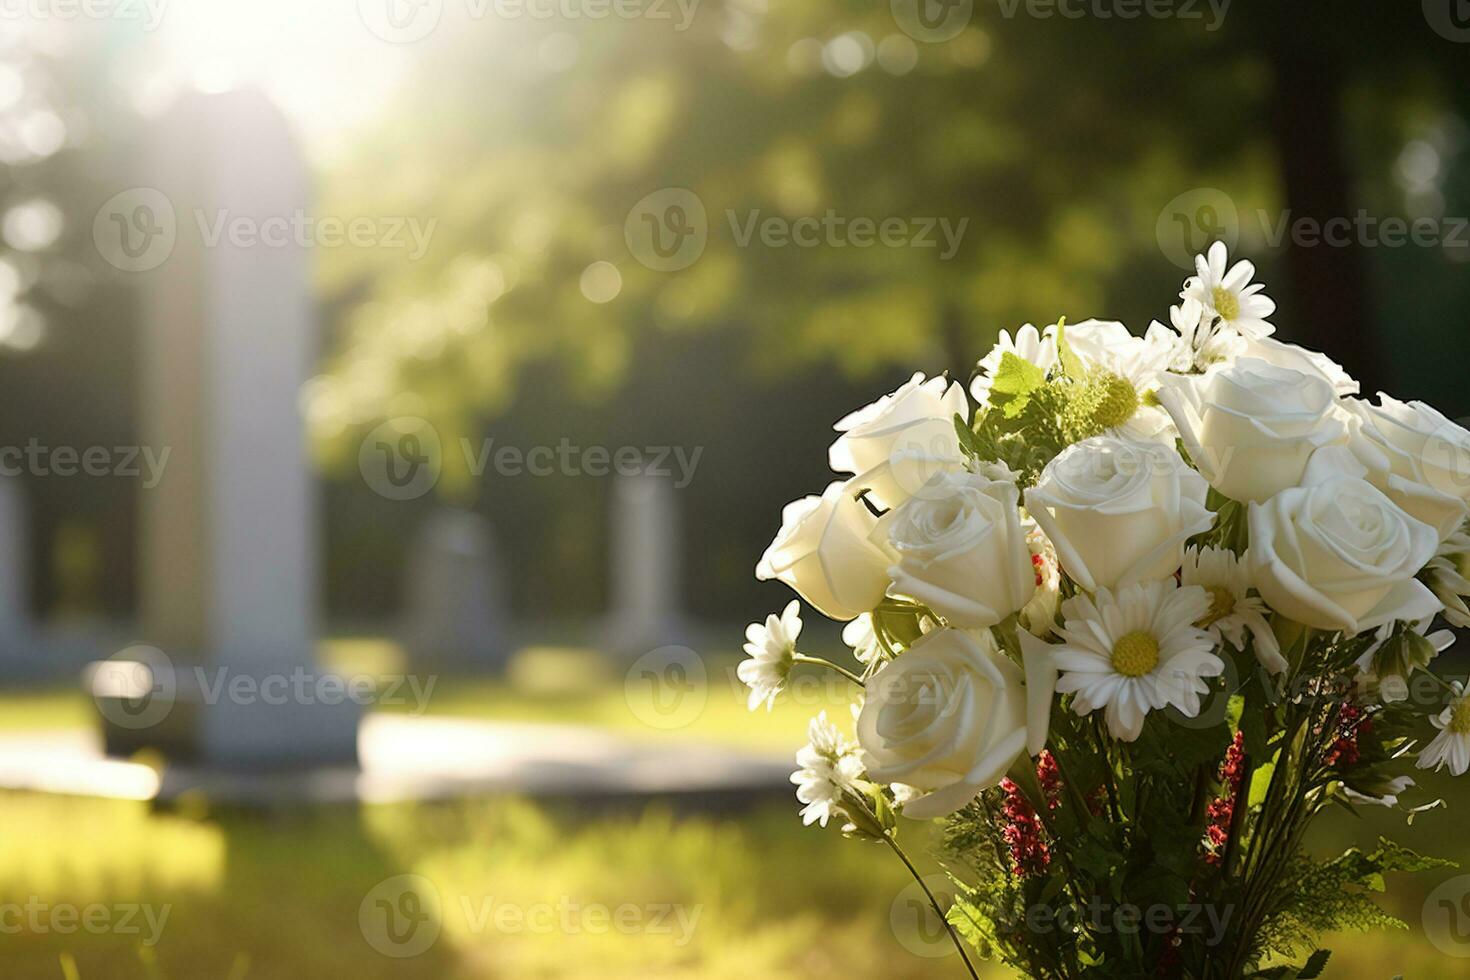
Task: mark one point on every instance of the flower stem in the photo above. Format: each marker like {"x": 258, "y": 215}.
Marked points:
{"x": 954, "y": 937}
{"x": 802, "y": 658}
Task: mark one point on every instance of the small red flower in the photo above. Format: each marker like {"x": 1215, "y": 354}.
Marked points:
{"x": 1221, "y": 810}
{"x": 1022, "y": 832}
{"x": 1351, "y": 722}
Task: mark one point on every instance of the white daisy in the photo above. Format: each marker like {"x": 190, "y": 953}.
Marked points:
{"x": 772, "y": 651}
{"x": 1451, "y": 747}
{"x": 1136, "y": 652}
{"x": 1029, "y": 344}
{"x": 1201, "y": 342}
{"x": 1230, "y": 295}
{"x": 830, "y": 766}
{"x": 1128, "y": 369}
{"x": 860, "y": 635}
{"x": 1233, "y": 612}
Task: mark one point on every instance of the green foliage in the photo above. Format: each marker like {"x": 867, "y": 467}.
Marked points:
{"x": 1316, "y": 897}
{"x": 1015, "y": 383}
{"x": 1403, "y": 653}
{"x": 1172, "y": 751}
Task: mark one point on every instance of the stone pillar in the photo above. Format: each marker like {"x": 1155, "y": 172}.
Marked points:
{"x": 229, "y": 536}
{"x": 455, "y": 610}
{"x": 17, "y": 641}
{"x": 644, "y": 566}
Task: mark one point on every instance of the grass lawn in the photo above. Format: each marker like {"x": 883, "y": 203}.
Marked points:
{"x": 523, "y": 891}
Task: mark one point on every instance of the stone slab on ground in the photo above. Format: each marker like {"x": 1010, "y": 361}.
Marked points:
{"x": 405, "y": 758}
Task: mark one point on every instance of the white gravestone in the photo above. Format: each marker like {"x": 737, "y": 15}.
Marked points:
{"x": 17, "y": 641}
{"x": 455, "y": 607}
{"x": 229, "y": 536}
{"x": 645, "y": 566}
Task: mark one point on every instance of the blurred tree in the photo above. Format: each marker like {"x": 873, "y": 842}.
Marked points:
{"x": 66, "y": 326}
{"x": 1057, "y": 140}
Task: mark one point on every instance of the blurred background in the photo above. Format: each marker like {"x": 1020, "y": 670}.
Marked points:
{"x": 585, "y": 284}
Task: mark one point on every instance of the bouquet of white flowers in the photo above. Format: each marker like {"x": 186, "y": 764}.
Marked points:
{"x": 1127, "y": 628}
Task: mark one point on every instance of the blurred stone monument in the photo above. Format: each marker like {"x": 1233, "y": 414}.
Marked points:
{"x": 644, "y": 567}
{"x": 455, "y": 610}
{"x": 17, "y": 641}
{"x": 228, "y": 538}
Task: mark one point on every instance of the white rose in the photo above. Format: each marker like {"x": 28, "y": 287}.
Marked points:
{"x": 1251, "y": 427}
{"x": 948, "y": 718}
{"x": 899, "y": 441}
{"x": 1119, "y": 511}
{"x": 958, "y": 547}
{"x": 1279, "y": 354}
{"x": 823, "y": 551}
{"x": 1340, "y": 556}
{"x": 1417, "y": 456}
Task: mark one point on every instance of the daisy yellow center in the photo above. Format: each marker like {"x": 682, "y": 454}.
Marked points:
{"x": 1222, "y": 604}
{"x": 1136, "y": 654}
{"x": 1460, "y": 717}
{"x": 1226, "y": 303}
{"x": 1117, "y": 400}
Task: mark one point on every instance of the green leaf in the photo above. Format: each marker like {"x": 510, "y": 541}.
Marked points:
{"x": 1315, "y": 964}
{"x": 1071, "y": 363}
{"x": 1016, "y": 380}
{"x": 1260, "y": 782}
{"x": 970, "y": 443}
{"x": 1402, "y": 655}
